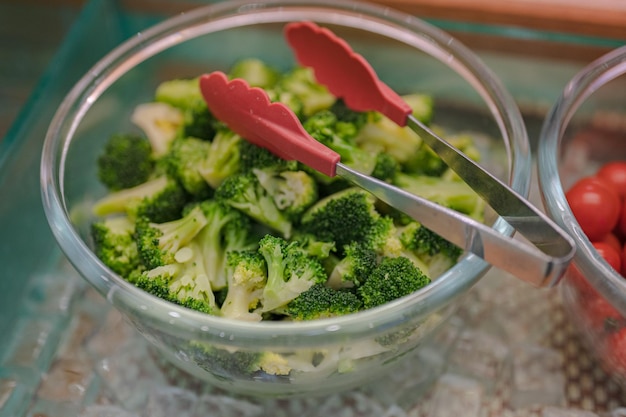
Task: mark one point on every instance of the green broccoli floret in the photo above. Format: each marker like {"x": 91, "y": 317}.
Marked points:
{"x": 126, "y": 161}
{"x": 160, "y": 199}
{"x": 453, "y": 194}
{"x": 255, "y": 72}
{"x": 392, "y": 278}
{"x": 246, "y": 279}
{"x": 158, "y": 243}
{"x": 321, "y": 301}
{"x": 253, "y": 157}
{"x": 325, "y": 128}
{"x": 349, "y": 122}
{"x": 235, "y": 364}
{"x": 299, "y": 90}
{"x": 114, "y": 244}
{"x": 312, "y": 246}
{"x": 160, "y": 122}
{"x": 245, "y": 193}
{"x": 184, "y": 163}
{"x": 342, "y": 217}
{"x": 293, "y": 192}
{"x": 380, "y": 134}
{"x": 226, "y": 229}
{"x": 386, "y": 167}
{"x": 357, "y": 263}
{"x": 184, "y": 281}
{"x": 223, "y": 158}
{"x": 290, "y": 271}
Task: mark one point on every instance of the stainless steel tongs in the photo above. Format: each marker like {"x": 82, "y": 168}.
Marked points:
{"x": 249, "y": 112}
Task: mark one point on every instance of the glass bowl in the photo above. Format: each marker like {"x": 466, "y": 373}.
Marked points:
{"x": 325, "y": 355}
{"x": 585, "y": 129}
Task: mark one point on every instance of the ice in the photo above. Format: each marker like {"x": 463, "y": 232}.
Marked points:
{"x": 226, "y": 406}
{"x": 351, "y": 404}
{"x": 130, "y": 374}
{"x": 107, "y": 411}
{"x": 538, "y": 376}
{"x": 479, "y": 354}
{"x": 170, "y": 401}
{"x": 566, "y": 412}
{"x": 454, "y": 396}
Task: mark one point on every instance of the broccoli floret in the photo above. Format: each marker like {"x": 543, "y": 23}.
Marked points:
{"x": 126, "y": 161}
{"x": 453, "y": 194}
{"x": 184, "y": 94}
{"x": 325, "y": 128}
{"x": 354, "y": 268}
{"x": 290, "y": 271}
{"x": 231, "y": 363}
{"x": 158, "y": 243}
{"x": 349, "y": 122}
{"x": 183, "y": 281}
{"x": 422, "y": 106}
{"x": 253, "y": 157}
{"x": 386, "y": 167}
{"x": 114, "y": 244}
{"x": 380, "y": 134}
{"x": 246, "y": 280}
{"x": 342, "y": 217}
{"x": 160, "y": 122}
{"x": 293, "y": 192}
{"x": 184, "y": 163}
{"x": 160, "y": 199}
{"x": 299, "y": 90}
{"x": 314, "y": 247}
{"x": 226, "y": 229}
{"x": 245, "y": 193}
{"x": 321, "y": 301}
{"x": 255, "y": 72}
{"x": 392, "y": 278}
{"x": 223, "y": 158}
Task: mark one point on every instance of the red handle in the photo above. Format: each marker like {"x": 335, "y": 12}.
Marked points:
{"x": 345, "y": 73}
{"x": 249, "y": 113}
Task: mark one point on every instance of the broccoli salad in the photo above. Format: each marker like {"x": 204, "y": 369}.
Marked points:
{"x": 197, "y": 215}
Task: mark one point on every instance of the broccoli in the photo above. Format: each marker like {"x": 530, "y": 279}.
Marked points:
{"x": 357, "y": 263}
{"x": 253, "y": 157}
{"x": 246, "y": 280}
{"x": 226, "y": 229}
{"x": 245, "y": 193}
{"x": 160, "y": 122}
{"x": 325, "y": 128}
{"x": 184, "y": 94}
{"x": 349, "y": 122}
{"x": 183, "y": 281}
{"x": 380, "y": 134}
{"x": 299, "y": 90}
{"x": 158, "y": 243}
{"x": 223, "y": 158}
{"x": 159, "y": 199}
{"x": 453, "y": 194}
{"x": 184, "y": 162}
{"x": 386, "y": 167}
{"x": 230, "y": 363}
{"x": 125, "y": 162}
{"x": 114, "y": 244}
{"x": 321, "y": 301}
{"x": 290, "y": 271}
{"x": 342, "y": 217}
{"x": 255, "y": 72}
{"x": 391, "y": 279}
{"x": 293, "y": 192}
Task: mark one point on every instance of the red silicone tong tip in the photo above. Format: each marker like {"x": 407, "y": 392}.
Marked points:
{"x": 248, "y": 112}
{"x": 344, "y": 72}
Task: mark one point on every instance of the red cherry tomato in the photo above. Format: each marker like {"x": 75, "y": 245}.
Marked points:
{"x": 612, "y": 240}
{"x": 610, "y": 255}
{"x": 595, "y": 205}
{"x": 615, "y": 174}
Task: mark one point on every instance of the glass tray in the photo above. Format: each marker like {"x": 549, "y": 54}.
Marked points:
{"x": 64, "y": 352}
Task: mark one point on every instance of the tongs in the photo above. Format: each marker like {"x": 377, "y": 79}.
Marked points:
{"x": 541, "y": 260}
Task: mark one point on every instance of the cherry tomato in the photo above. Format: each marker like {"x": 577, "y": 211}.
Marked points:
{"x": 595, "y": 205}
{"x": 612, "y": 240}
{"x": 615, "y": 174}
{"x": 610, "y": 255}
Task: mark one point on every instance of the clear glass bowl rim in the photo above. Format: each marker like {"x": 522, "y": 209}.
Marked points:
{"x": 180, "y": 320}
{"x": 592, "y": 77}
